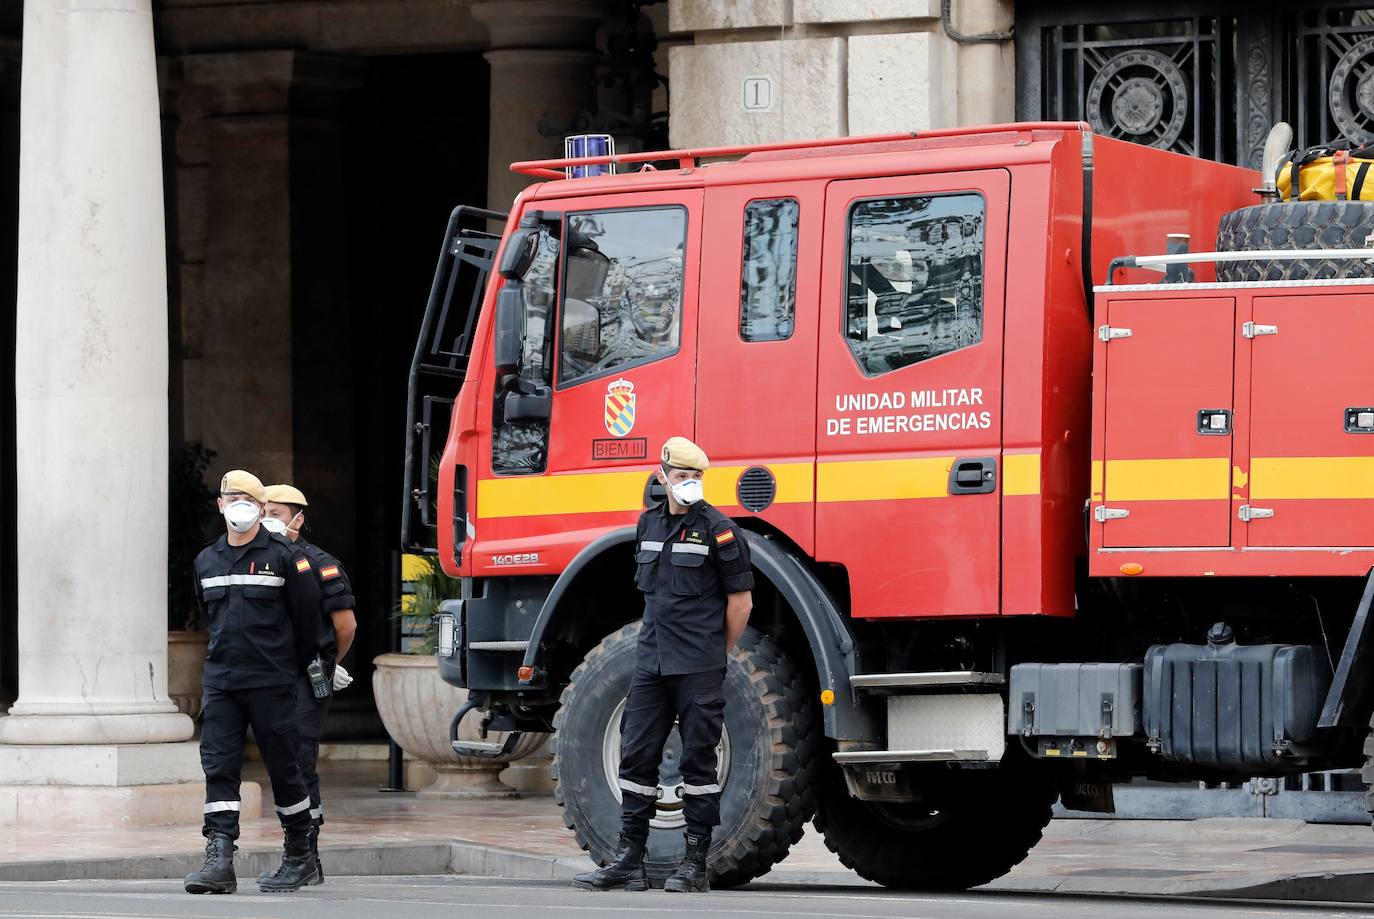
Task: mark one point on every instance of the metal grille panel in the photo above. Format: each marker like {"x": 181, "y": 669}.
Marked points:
{"x": 1201, "y": 79}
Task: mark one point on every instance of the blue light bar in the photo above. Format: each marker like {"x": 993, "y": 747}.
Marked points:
{"x": 577, "y": 146}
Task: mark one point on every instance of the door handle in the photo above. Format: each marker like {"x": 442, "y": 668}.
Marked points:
{"x": 976, "y": 476}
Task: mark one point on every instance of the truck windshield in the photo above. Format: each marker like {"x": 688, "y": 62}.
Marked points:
{"x": 622, "y": 298}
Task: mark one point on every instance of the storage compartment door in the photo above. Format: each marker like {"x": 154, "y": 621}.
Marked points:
{"x": 1312, "y": 463}
{"x": 1167, "y": 471}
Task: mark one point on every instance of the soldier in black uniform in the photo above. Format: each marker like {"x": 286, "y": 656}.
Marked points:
{"x": 262, "y": 602}
{"x": 694, "y": 570}
{"x": 284, "y": 513}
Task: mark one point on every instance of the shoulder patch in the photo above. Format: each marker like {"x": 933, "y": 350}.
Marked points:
{"x": 302, "y": 565}
{"x": 328, "y": 572}
{"x": 724, "y": 539}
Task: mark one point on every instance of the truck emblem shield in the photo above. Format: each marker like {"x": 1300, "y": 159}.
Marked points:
{"x": 620, "y": 407}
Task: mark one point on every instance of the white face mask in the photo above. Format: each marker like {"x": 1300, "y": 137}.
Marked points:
{"x": 273, "y": 525}
{"x": 687, "y": 493}
{"x": 241, "y": 515}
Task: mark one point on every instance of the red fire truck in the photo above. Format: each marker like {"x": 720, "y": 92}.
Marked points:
{"x": 1028, "y": 519}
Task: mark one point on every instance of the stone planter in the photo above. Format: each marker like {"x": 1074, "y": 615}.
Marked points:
{"x": 185, "y": 667}
{"x": 416, "y": 707}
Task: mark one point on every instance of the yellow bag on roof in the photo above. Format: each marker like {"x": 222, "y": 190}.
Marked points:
{"x": 1326, "y": 174}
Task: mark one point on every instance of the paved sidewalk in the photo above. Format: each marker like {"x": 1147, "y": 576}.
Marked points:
{"x": 373, "y": 833}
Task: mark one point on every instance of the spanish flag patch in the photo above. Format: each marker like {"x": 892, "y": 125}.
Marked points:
{"x": 302, "y": 565}
{"x": 329, "y": 571}
{"x": 724, "y": 539}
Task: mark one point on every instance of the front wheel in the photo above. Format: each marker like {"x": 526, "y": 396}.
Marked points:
{"x": 967, "y": 827}
{"x": 766, "y": 761}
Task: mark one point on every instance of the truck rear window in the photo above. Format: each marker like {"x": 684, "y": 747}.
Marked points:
{"x": 622, "y": 290}
{"x": 915, "y": 288}
{"x": 768, "y": 285}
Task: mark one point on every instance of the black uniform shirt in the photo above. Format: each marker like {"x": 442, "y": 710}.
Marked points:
{"x": 336, "y": 593}
{"x": 262, "y": 603}
{"x": 686, "y": 565}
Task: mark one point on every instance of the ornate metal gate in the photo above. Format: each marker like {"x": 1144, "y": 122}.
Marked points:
{"x": 1203, "y": 79}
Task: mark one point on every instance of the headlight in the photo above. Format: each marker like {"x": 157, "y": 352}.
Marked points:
{"x": 448, "y": 635}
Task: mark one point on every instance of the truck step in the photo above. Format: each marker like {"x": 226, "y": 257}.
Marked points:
{"x": 934, "y": 680}
{"x": 498, "y": 645}
{"x": 911, "y": 756}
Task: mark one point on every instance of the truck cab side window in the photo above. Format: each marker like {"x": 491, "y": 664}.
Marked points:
{"x": 622, "y": 297}
{"x": 915, "y": 279}
{"x": 522, "y": 446}
{"x": 768, "y": 287}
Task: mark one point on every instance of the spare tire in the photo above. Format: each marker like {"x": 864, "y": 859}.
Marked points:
{"x": 1296, "y": 225}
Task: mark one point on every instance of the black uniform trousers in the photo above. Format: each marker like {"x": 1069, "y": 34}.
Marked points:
{"x": 310, "y": 715}
{"x": 225, "y": 718}
{"x": 697, "y": 702}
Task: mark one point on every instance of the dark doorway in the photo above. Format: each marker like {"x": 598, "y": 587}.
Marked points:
{"x": 415, "y": 146}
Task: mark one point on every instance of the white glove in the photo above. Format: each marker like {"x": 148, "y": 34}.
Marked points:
{"x": 341, "y": 678}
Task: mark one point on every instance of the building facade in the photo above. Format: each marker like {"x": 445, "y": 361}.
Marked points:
{"x": 308, "y": 152}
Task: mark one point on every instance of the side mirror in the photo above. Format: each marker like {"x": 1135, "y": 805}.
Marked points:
{"x": 510, "y": 327}
{"x": 519, "y": 253}
{"x": 529, "y": 406}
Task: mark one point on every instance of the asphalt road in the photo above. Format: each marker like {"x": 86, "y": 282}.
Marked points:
{"x": 496, "y": 898}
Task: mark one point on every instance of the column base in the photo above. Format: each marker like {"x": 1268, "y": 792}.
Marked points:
{"x": 144, "y": 728}
{"x": 49, "y": 806}
{"x": 532, "y": 775}
{"x": 108, "y": 765}
{"x": 459, "y": 782}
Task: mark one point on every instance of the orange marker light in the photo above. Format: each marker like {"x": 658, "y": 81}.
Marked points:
{"x": 827, "y": 697}
{"x": 525, "y": 674}
{"x": 1131, "y": 569}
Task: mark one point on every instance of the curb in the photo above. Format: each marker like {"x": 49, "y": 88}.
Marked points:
{"x": 475, "y": 859}
{"x": 433, "y": 858}
{"x": 1354, "y": 887}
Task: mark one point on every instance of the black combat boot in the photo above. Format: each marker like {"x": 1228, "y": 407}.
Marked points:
{"x": 690, "y": 876}
{"x": 216, "y": 874}
{"x": 625, "y": 871}
{"x": 315, "y": 850}
{"x": 315, "y": 854}
{"x": 297, "y": 866}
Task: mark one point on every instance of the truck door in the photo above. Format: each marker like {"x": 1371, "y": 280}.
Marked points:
{"x": 756, "y": 378}
{"x": 1166, "y": 479}
{"x": 611, "y": 340}
{"x": 909, "y": 427}
{"x": 1312, "y": 434}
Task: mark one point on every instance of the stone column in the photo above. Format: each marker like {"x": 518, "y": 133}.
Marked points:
{"x": 91, "y": 394}
{"x": 543, "y": 71}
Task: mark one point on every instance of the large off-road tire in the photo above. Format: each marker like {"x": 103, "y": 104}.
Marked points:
{"x": 1296, "y": 225}
{"x": 768, "y": 752}
{"x": 970, "y": 827}
{"x": 1367, "y": 771}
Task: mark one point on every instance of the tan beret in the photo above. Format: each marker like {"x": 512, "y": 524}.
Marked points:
{"x": 286, "y": 494}
{"x": 236, "y": 480}
{"x": 681, "y": 453}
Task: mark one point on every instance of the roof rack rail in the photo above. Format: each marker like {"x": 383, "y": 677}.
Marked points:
{"x": 687, "y": 159}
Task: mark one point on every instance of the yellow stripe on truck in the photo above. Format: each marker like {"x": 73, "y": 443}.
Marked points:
{"x": 608, "y": 492}
{"x": 1311, "y": 477}
{"x": 1021, "y": 474}
{"x": 541, "y": 495}
{"x": 883, "y": 480}
{"x": 1169, "y": 479}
